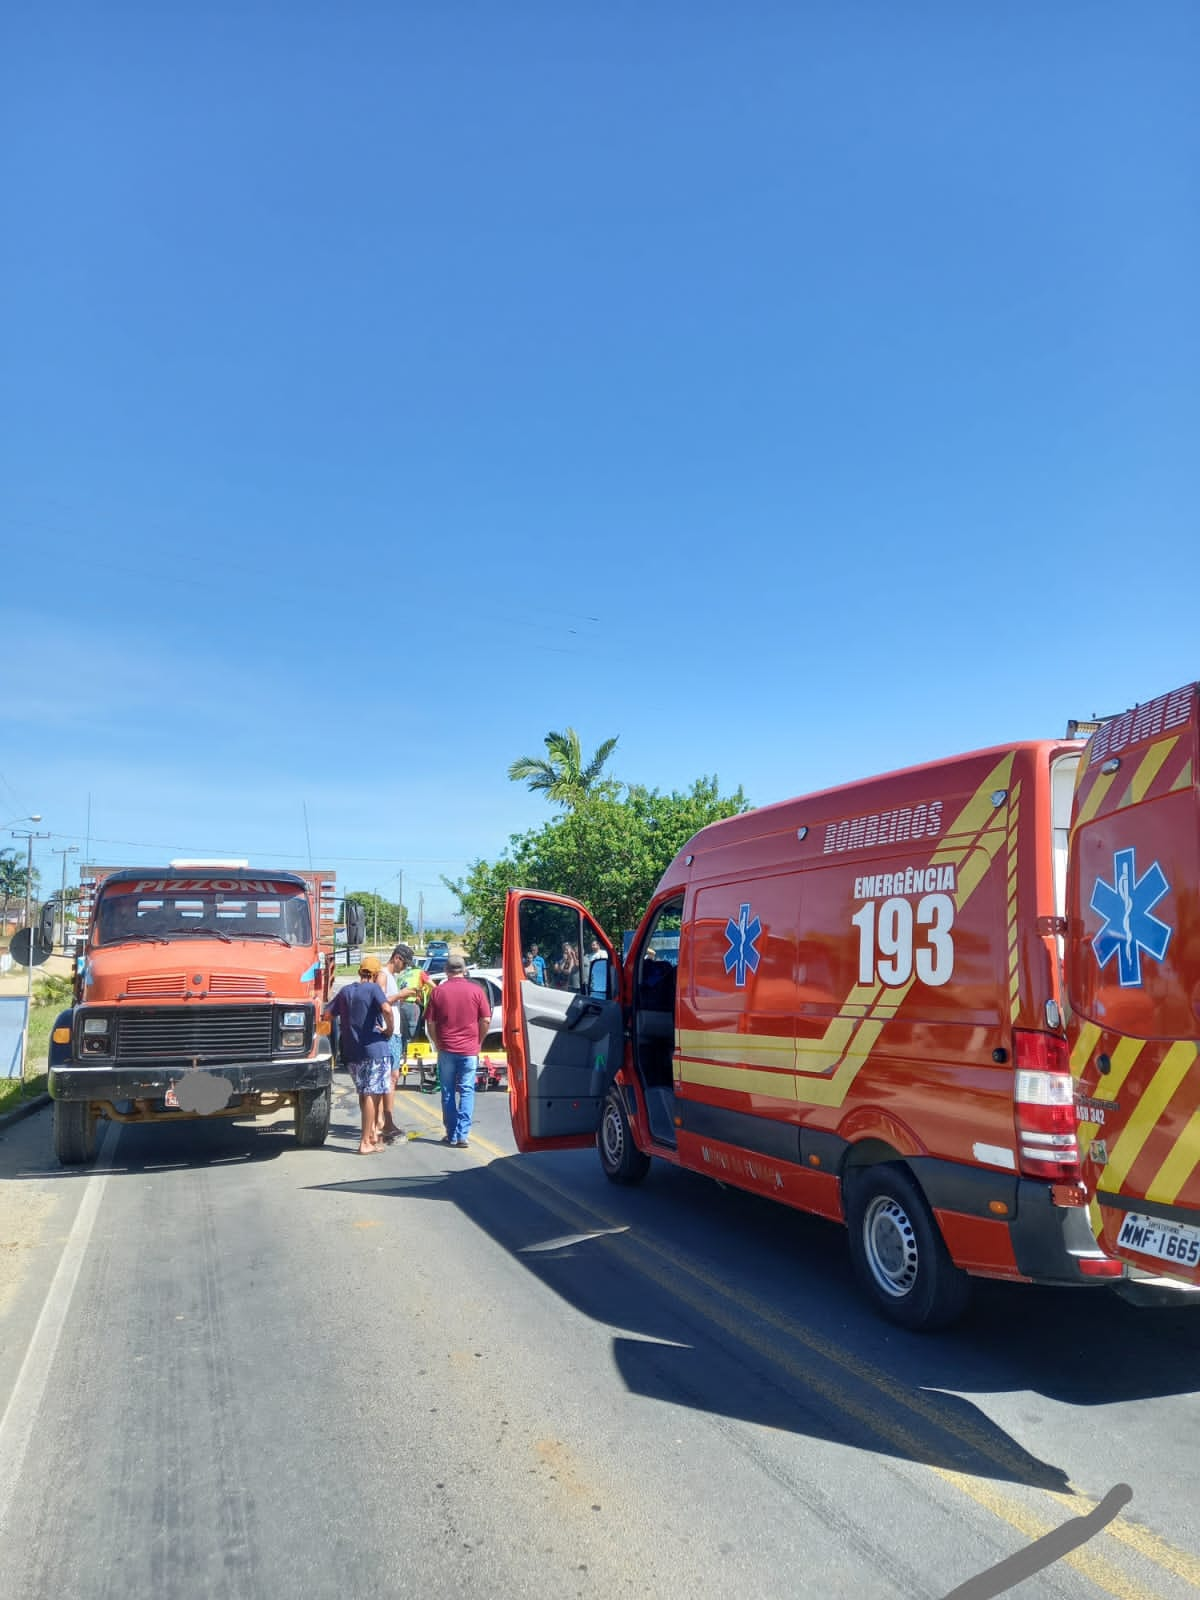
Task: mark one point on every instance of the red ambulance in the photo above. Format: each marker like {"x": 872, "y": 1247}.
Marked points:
{"x": 1133, "y": 975}
{"x": 854, "y": 1003}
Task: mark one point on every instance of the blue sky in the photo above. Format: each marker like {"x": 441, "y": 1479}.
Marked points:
{"x": 795, "y": 391}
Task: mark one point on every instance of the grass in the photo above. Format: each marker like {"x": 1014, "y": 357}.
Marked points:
{"x": 12, "y": 1091}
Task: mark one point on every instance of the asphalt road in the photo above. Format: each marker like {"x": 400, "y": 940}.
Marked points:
{"x": 232, "y": 1368}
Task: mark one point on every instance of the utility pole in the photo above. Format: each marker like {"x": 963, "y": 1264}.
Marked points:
{"x": 375, "y": 940}
{"x": 29, "y": 837}
{"x": 64, "y": 852}
{"x": 421, "y": 919}
{"x": 400, "y": 908}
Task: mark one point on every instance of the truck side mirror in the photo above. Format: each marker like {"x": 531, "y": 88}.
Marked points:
{"x": 356, "y": 923}
{"x": 45, "y": 925}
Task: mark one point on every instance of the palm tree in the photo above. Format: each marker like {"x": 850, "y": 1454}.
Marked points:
{"x": 561, "y": 774}
{"x": 12, "y": 882}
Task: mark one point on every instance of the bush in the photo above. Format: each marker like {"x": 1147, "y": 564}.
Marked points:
{"x": 53, "y": 990}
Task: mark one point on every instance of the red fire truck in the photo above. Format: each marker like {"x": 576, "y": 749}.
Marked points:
{"x": 867, "y": 1018}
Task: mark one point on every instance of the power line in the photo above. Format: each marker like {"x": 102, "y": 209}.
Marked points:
{"x": 272, "y": 855}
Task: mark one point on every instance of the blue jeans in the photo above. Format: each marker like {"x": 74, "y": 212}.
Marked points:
{"x": 456, "y": 1074}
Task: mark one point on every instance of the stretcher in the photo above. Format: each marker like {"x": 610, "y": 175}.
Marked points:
{"x": 491, "y": 1073}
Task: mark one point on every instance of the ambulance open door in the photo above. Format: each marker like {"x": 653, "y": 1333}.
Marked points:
{"x": 1133, "y": 982}
{"x": 563, "y": 1021}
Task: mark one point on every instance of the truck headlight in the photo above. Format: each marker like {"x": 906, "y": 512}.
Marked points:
{"x": 292, "y": 1038}
{"x": 96, "y": 1036}
{"x": 293, "y": 1019}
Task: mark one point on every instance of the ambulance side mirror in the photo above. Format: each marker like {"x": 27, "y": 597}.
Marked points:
{"x": 598, "y": 979}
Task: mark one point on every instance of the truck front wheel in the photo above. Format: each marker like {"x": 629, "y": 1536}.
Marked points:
{"x": 899, "y": 1256}
{"x": 312, "y": 1111}
{"x": 74, "y": 1132}
{"x": 621, "y": 1159}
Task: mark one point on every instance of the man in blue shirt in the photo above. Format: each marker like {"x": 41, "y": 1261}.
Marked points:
{"x": 535, "y": 966}
{"x": 365, "y": 1018}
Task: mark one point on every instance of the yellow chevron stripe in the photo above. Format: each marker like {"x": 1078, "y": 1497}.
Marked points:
{"x": 1184, "y": 780}
{"x": 716, "y": 1075}
{"x": 1085, "y": 1043}
{"x": 1014, "y": 984}
{"x": 1109, "y": 1088}
{"x": 1170, "y": 1073}
{"x": 1147, "y": 770}
{"x": 760, "y": 1049}
{"x": 1179, "y": 1165}
{"x": 1096, "y": 794}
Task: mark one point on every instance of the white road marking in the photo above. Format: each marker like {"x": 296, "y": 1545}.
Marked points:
{"x": 20, "y": 1415}
{"x": 569, "y": 1239}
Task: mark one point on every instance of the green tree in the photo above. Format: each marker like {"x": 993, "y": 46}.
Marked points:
{"x": 12, "y": 883}
{"x": 561, "y": 774}
{"x": 607, "y": 853}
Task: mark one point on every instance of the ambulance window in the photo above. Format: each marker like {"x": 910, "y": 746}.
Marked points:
{"x": 1062, "y": 797}
{"x": 552, "y": 945}
{"x": 659, "y": 959}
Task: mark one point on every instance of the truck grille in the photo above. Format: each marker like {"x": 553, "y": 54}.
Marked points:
{"x": 217, "y": 1033}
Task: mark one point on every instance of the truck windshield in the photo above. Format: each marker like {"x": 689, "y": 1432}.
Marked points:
{"x": 131, "y": 911}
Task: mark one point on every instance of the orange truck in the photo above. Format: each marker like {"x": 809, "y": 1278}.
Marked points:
{"x": 915, "y": 1005}
{"x": 198, "y": 992}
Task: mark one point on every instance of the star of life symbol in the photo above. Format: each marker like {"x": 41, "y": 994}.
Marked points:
{"x": 1126, "y": 904}
{"x": 743, "y": 945}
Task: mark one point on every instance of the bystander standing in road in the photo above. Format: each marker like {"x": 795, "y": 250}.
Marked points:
{"x": 390, "y": 984}
{"x": 404, "y": 983}
{"x": 457, "y": 1018}
{"x": 365, "y": 1018}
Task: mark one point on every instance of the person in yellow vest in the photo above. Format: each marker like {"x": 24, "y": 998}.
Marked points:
{"x": 413, "y": 988}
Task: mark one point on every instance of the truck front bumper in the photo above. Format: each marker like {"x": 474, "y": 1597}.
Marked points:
{"x": 145, "y": 1080}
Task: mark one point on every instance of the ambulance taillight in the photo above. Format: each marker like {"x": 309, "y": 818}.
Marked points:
{"x": 1047, "y": 1125}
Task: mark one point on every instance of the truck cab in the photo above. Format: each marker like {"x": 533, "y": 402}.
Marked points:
{"x": 198, "y": 992}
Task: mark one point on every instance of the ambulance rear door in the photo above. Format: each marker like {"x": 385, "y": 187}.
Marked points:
{"x": 1133, "y": 982}
{"x": 563, "y": 1020}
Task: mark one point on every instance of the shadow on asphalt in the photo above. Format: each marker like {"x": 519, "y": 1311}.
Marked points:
{"x": 150, "y": 1147}
{"x": 770, "y": 1328}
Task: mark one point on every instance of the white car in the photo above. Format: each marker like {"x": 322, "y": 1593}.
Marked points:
{"x": 491, "y": 980}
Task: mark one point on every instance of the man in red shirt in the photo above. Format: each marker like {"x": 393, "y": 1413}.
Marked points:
{"x": 457, "y": 1018}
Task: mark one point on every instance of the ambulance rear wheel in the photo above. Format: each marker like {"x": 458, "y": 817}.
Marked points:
{"x": 899, "y": 1256}
{"x": 621, "y": 1159}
